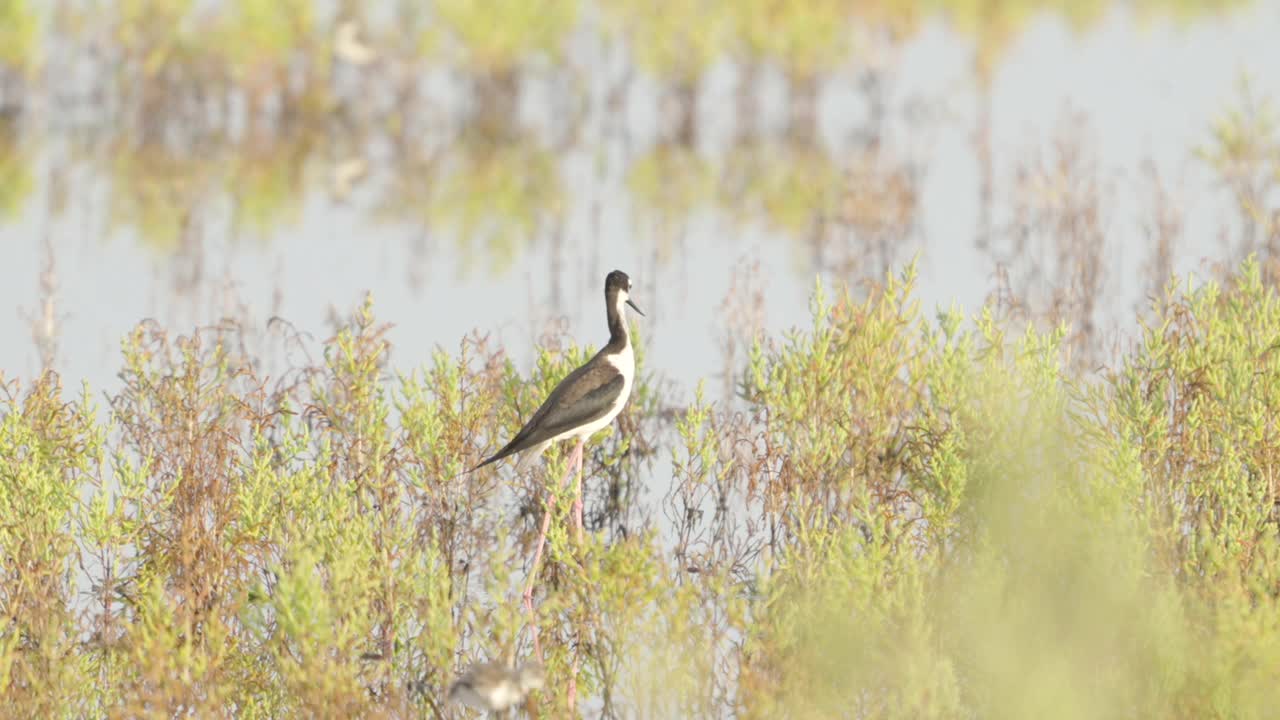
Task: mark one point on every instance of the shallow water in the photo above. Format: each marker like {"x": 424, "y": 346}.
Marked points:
{"x": 514, "y": 237}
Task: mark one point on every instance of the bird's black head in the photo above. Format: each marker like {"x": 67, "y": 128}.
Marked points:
{"x": 617, "y": 291}
{"x": 617, "y": 280}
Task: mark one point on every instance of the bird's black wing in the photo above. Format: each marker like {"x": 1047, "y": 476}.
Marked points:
{"x": 584, "y": 395}
{"x": 597, "y": 392}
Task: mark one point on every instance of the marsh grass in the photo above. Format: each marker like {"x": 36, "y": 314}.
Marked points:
{"x": 901, "y": 516}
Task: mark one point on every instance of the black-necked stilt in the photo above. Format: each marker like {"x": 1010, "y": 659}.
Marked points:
{"x": 496, "y": 687}
{"x": 586, "y": 401}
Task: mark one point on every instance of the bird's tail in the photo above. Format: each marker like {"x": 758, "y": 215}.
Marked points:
{"x": 491, "y": 459}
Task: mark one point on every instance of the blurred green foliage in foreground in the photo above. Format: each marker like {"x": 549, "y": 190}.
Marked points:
{"x": 912, "y": 517}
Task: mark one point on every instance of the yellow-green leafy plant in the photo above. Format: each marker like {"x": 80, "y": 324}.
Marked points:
{"x": 901, "y": 515}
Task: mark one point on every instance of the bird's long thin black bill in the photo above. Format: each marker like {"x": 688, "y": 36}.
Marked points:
{"x": 633, "y": 307}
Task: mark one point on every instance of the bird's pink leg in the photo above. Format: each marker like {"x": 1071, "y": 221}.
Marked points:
{"x": 577, "y": 495}
{"x": 576, "y": 455}
{"x": 533, "y": 575}
{"x": 573, "y": 684}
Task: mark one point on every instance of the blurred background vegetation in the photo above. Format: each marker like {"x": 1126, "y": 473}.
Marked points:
{"x": 309, "y": 93}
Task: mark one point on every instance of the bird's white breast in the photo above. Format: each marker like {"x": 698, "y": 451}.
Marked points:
{"x": 625, "y": 362}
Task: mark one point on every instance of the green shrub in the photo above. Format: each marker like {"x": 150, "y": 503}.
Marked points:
{"x": 899, "y": 517}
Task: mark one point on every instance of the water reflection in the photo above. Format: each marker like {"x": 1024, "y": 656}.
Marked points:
{"x": 1245, "y": 152}
{"x": 491, "y": 196}
{"x": 15, "y": 168}
{"x": 431, "y": 150}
